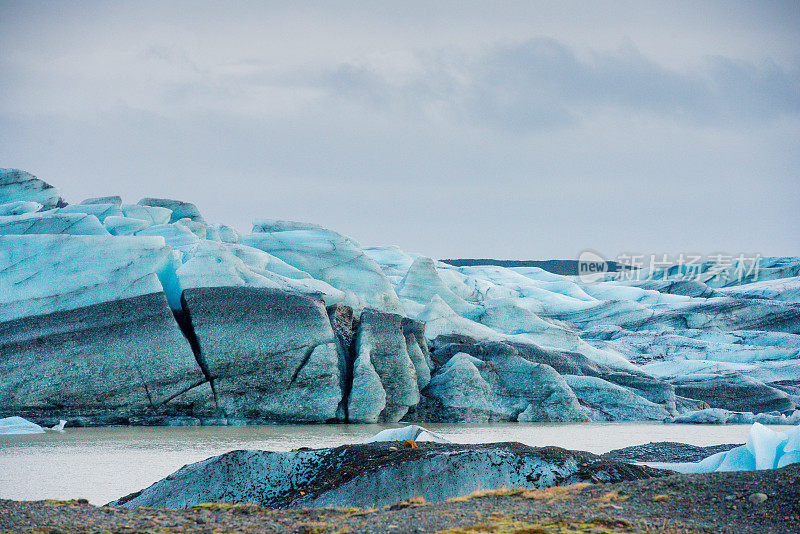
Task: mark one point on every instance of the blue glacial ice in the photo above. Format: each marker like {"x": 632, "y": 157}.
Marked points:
{"x": 764, "y": 449}
{"x": 330, "y": 257}
{"x": 18, "y": 425}
{"x": 19, "y": 207}
{"x": 16, "y": 185}
{"x": 52, "y": 222}
{"x": 101, "y": 211}
{"x": 118, "y": 225}
{"x": 151, "y": 214}
{"x": 42, "y": 274}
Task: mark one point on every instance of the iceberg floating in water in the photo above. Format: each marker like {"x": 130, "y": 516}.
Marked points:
{"x": 417, "y": 433}
{"x": 765, "y": 449}
{"x": 18, "y": 425}
{"x": 59, "y": 427}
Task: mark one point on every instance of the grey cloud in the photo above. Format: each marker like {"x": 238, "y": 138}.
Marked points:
{"x": 425, "y": 134}
{"x": 542, "y": 84}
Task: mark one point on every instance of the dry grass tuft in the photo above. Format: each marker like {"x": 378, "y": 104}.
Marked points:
{"x": 549, "y": 494}
{"x": 409, "y": 503}
{"x": 236, "y": 508}
{"x": 499, "y": 492}
{"x": 611, "y": 496}
{"x": 556, "y": 492}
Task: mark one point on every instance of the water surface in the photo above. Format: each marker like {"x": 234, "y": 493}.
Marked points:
{"x": 102, "y": 464}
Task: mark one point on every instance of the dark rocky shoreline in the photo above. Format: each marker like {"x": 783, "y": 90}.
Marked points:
{"x": 666, "y": 451}
{"x": 714, "y": 502}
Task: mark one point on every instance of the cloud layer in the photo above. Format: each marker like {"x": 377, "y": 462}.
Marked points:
{"x": 513, "y": 132}
{"x": 542, "y": 84}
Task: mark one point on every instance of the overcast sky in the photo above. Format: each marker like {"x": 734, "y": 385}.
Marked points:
{"x": 454, "y": 129}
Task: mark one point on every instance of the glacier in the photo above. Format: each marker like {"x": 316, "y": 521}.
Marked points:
{"x": 125, "y": 312}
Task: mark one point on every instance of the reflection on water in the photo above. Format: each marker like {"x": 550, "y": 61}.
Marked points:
{"x": 101, "y": 464}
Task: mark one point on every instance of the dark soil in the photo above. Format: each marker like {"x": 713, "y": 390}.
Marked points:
{"x": 666, "y": 451}
{"x": 742, "y": 502}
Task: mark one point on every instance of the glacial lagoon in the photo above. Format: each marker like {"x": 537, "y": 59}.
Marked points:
{"x": 102, "y": 464}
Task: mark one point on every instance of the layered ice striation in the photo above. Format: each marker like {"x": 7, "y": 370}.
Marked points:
{"x": 45, "y": 273}
{"x": 86, "y": 330}
{"x": 330, "y": 257}
{"x": 18, "y": 185}
{"x": 115, "y": 312}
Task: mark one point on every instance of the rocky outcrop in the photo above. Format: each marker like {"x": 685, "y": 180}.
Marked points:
{"x": 376, "y": 475}
{"x": 666, "y": 451}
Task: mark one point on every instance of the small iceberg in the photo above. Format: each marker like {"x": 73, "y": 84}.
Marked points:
{"x": 417, "y": 433}
{"x": 18, "y": 425}
{"x": 765, "y": 449}
{"x": 59, "y": 427}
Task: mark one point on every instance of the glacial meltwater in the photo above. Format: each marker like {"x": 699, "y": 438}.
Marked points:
{"x": 102, "y": 464}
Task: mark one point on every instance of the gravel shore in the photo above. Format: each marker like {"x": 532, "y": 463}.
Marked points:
{"x": 741, "y": 502}
{"x": 666, "y": 451}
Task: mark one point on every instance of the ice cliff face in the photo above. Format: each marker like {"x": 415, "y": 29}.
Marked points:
{"x": 144, "y": 313}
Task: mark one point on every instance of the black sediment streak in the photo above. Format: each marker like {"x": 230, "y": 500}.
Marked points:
{"x": 306, "y": 357}
{"x": 345, "y": 327}
{"x": 184, "y": 320}
{"x": 348, "y": 374}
